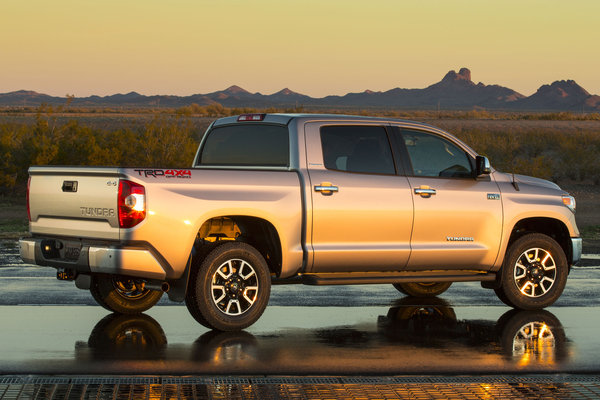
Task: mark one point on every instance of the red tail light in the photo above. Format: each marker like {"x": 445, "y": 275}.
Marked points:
{"x": 131, "y": 204}
{"x": 27, "y": 199}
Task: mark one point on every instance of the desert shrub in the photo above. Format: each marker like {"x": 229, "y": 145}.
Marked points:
{"x": 165, "y": 141}
{"x": 169, "y": 139}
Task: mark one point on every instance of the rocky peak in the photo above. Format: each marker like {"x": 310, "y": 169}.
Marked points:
{"x": 464, "y": 74}
{"x": 286, "y": 92}
{"x": 563, "y": 89}
{"x": 235, "y": 90}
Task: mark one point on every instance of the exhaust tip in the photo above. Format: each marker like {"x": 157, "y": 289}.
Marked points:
{"x": 161, "y": 286}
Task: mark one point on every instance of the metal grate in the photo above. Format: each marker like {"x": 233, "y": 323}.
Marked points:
{"x": 283, "y": 387}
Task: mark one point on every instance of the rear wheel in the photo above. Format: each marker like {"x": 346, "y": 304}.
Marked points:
{"x": 123, "y": 295}
{"x": 534, "y": 273}
{"x": 422, "y": 289}
{"x": 230, "y": 289}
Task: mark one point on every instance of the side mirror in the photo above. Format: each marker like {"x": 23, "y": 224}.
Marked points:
{"x": 483, "y": 166}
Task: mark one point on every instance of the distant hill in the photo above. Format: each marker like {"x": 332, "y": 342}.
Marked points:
{"x": 561, "y": 95}
{"x": 456, "y": 91}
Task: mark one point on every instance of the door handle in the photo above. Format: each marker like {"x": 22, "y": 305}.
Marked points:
{"x": 326, "y": 188}
{"x": 425, "y": 191}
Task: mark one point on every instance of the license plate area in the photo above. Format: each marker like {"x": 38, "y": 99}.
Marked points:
{"x": 72, "y": 252}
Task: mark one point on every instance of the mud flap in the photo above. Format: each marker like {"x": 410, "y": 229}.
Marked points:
{"x": 495, "y": 284}
{"x": 179, "y": 286}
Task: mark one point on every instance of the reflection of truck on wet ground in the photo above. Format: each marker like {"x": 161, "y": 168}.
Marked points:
{"x": 313, "y": 199}
{"x": 427, "y": 331}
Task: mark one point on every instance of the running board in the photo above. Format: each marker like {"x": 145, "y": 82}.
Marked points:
{"x": 354, "y": 278}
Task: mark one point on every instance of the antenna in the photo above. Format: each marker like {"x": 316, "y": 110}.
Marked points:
{"x": 514, "y": 182}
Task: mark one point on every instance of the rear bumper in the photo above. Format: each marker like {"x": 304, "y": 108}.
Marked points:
{"x": 577, "y": 246}
{"x": 91, "y": 258}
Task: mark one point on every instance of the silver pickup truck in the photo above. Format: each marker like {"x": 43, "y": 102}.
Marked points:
{"x": 312, "y": 199}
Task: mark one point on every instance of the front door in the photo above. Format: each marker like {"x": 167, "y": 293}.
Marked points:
{"x": 457, "y": 217}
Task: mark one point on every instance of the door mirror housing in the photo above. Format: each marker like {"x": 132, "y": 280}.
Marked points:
{"x": 483, "y": 165}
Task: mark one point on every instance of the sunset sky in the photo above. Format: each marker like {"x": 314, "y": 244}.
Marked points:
{"x": 319, "y": 47}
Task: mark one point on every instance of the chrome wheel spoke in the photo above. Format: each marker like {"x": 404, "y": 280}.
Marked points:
{"x": 548, "y": 267}
{"x": 546, "y": 258}
{"x": 228, "y": 268}
{"x": 223, "y": 293}
{"x": 520, "y": 271}
{"x": 528, "y": 285}
{"x": 249, "y": 274}
{"x": 547, "y": 285}
{"x": 235, "y": 303}
{"x": 253, "y": 299}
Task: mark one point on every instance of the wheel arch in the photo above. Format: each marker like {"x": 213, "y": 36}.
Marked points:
{"x": 551, "y": 227}
{"x": 257, "y": 232}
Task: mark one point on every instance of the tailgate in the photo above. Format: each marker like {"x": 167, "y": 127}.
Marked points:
{"x": 74, "y": 201}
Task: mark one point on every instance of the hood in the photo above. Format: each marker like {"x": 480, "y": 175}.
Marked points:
{"x": 536, "y": 181}
{"x": 530, "y": 180}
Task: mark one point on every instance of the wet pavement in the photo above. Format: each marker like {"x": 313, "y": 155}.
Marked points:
{"x": 402, "y": 339}
{"x": 49, "y": 328}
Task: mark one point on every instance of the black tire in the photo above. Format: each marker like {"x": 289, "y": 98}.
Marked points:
{"x": 193, "y": 306}
{"x": 123, "y": 295}
{"x": 422, "y": 289}
{"x": 500, "y": 294}
{"x": 534, "y": 273}
{"x": 231, "y": 288}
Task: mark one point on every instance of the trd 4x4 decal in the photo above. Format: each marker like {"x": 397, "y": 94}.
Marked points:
{"x": 166, "y": 173}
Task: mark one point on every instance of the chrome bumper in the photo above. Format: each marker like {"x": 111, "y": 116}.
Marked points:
{"x": 577, "y": 246}
{"x": 116, "y": 260}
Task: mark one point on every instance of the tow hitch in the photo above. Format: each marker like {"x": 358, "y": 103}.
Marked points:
{"x": 65, "y": 274}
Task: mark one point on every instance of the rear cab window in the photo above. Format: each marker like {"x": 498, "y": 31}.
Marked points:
{"x": 246, "y": 145}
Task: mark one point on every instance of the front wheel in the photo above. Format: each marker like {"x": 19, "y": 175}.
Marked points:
{"x": 230, "y": 289}
{"x": 123, "y": 295}
{"x": 534, "y": 273}
{"x": 422, "y": 289}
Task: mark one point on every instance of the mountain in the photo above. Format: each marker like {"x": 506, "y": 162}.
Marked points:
{"x": 456, "y": 91}
{"x": 28, "y": 98}
{"x": 561, "y": 95}
{"x": 289, "y": 97}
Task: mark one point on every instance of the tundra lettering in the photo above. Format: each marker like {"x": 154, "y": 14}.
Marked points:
{"x": 97, "y": 212}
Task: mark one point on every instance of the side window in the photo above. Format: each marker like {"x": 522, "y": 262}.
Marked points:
{"x": 432, "y": 155}
{"x": 357, "y": 149}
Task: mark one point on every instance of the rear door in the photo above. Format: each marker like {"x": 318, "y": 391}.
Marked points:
{"x": 362, "y": 209}
{"x": 457, "y": 217}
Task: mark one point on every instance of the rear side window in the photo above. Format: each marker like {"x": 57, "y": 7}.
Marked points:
{"x": 246, "y": 145}
{"x": 357, "y": 149}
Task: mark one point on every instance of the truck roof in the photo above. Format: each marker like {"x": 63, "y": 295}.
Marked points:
{"x": 285, "y": 118}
